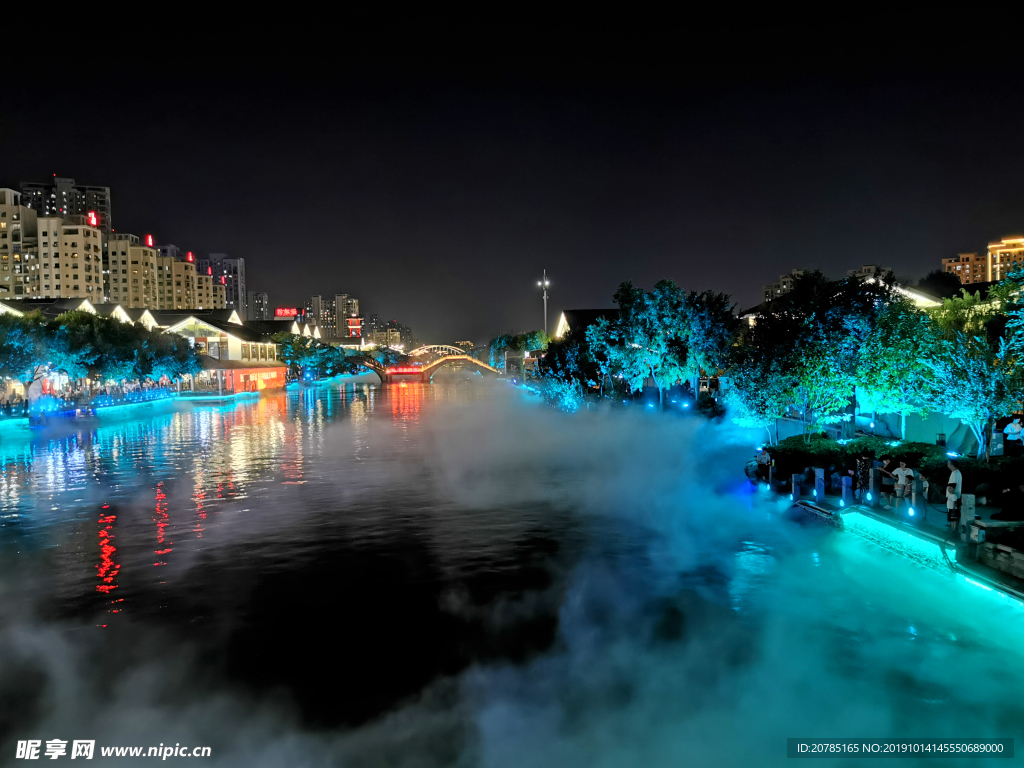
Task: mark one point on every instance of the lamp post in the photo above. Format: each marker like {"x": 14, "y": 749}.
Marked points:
{"x": 544, "y": 284}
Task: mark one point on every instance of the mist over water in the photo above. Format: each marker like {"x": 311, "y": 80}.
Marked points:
{"x": 453, "y": 574}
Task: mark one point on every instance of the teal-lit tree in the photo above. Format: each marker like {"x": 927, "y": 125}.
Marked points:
{"x": 711, "y": 328}
{"x": 976, "y": 370}
{"x": 893, "y": 371}
{"x": 22, "y": 351}
{"x": 649, "y": 337}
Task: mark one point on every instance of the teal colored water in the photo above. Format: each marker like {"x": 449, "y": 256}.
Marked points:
{"x": 454, "y": 574}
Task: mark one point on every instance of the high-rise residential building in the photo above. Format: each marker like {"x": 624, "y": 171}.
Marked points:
{"x": 63, "y": 197}
{"x": 176, "y": 283}
{"x": 204, "y": 292}
{"x": 1006, "y": 256}
{"x": 345, "y": 306}
{"x": 969, "y": 267}
{"x": 257, "y": 305}
{"x": 1002, "y": 257}
{"x": 784, "y": 285}
{"x": 230, "y": 273}
{"x": 18, "y": 246}
{"x": 132, "y": 272}
{"x": 219, "y": 296}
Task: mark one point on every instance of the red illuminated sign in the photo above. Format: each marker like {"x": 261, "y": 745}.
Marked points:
{"x": 189, "y": 256}
{"x": 223, "y": 280}
{"x": 149, "y": 240}
{"x": 404, "y": 370}
{"x": 285, "y": 312}
{"x": 93, "y": 221}
{"x": 209, "y": 270}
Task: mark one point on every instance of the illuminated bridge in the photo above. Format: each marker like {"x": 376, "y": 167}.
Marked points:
{"x": 426, "y": 361}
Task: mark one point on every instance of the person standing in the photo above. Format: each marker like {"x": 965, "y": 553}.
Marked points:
{"x": 952, "y": 514}
{"x": 764, "y": 461}
{"x": 1013, "y": 437}
{"x": 888, "y": 483}
{"x": 904, "y": 478}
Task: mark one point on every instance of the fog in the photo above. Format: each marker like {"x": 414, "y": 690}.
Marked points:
{"x": 694, "y": 622}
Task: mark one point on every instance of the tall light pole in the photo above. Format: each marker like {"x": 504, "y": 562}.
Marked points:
{"x": 544, "y": 284}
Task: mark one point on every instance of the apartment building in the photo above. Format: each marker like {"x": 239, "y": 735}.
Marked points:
{"x": 1006, "y": 256}
{"x": 18, "y": 245}
{"x": 176, "y": 283}
{"x": 784, "y": 285}
{"x": 969, "y": 267}
{"x": 132, "y": 272}
{"x": 999, "y": 260}
{"x": 63, "y": 197}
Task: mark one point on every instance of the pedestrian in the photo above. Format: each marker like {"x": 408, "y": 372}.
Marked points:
{"x": 764, "y": 461}
{"x": 862, "y": 479}
{"x": 888, "y": 483}
{"x": 952, "y": 513}
{"x": 904, "y": 478}
{"x": 1013, "y": 442}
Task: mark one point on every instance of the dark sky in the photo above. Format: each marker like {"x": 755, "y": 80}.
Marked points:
{"x": 436, "y": 189}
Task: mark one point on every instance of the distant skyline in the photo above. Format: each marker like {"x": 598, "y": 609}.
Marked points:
{"x": 439, "y": 199}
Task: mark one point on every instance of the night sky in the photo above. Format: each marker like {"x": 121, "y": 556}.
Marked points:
{"x": 436, "y": 194}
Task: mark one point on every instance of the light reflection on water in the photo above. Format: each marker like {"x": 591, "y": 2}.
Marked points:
{"x": 315, "y": 541}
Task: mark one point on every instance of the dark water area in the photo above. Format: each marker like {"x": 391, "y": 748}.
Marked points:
{"x": 453, "y": 574}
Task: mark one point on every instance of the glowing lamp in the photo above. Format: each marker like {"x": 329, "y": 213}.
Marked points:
{"x": 686, "y": 405}
{"x": 842, "y": 503}
{"x": 869, "y": 497}
{"x": 814, "y": 493}
{"x": 791, "y": 497}
{"x": 911, "y": 511}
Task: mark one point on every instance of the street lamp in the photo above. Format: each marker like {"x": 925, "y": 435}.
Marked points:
{"x": 544, "y": 283}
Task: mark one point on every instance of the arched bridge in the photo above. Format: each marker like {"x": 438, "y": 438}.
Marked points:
{"x": 443, "y": 354}
{"x": 438, "y": 350}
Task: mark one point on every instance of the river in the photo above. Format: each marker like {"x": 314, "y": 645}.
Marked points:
{"x": 454, "y": 574}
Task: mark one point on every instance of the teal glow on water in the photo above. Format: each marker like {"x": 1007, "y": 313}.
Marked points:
{"x": 453, "y": 574}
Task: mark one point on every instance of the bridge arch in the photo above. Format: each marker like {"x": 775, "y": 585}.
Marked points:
{"x": 438, "y": 349}
{"x": 431, "y": 368}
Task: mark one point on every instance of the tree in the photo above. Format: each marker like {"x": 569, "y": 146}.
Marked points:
{"x": 940, "y": 284}
{"x": 975, "y": 381}
{"x": 296, "y": 351}
{"x": 893, "y": 362}
{"x": 813, "y": 335}
{"x": 977, "y": 373}
{"x": 649, "y": 336}
{"x": 711, "y": 328}
{"x": 22, "y": 353}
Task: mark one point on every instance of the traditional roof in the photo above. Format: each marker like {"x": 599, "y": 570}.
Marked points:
{"x": 167, "y": 317}
{"x": 230, "y": 329}
{"x": 49, "y": 308}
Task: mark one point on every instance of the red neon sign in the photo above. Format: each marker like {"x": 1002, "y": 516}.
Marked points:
{"x": 93, "y": 221}
{"x": 209, "y": 270}
{"x": 189, "y": 256}
{"x": 404, "y": 369}
{"x": 223, "y": 280}
{"x": 285, "y": 312}
{"x": 149, "y": 240}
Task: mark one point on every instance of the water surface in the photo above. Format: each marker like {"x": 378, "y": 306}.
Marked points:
{"x": 453, "y": 574}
